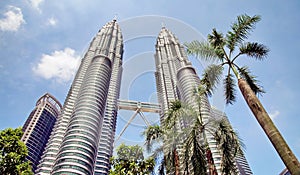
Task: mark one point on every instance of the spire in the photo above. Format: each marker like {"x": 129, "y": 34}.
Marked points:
{"x": 115, "y": 17}
{"x": 163, "y": 25}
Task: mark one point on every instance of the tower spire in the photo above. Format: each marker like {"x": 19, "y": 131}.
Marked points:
{"x": 115, "y": 17}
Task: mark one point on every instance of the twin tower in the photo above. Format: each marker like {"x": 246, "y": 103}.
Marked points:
{"x": 82, "y": 139}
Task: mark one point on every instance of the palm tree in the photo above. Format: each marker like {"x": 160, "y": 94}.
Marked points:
{"x": 155, "y": 134}
{"x": 193, "y": 140}
{"x": 226, "y": 138}
{"x": 226, "y": 50}
{"x": 229, "y": 144}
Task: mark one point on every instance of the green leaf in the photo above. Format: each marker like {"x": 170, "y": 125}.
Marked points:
{"x": 153, "y": 134}
{"x": 240, "y": 30}
{"x": 216, "y": 39}
{"x": 211, "y": 77}
{"x": 251, "y": 80}
{"x": 256, "y": 50}
{"x": 229, "y": 144}
{"x": 13, "y": 153}
{"x": 195, "y": 152}
{"x": 229, "y": 85}
{"x": 203, "y": 50}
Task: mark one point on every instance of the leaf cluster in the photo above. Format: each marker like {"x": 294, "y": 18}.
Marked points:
{"x": 13, "y": 153}
{"x": 130, "y": 161}
{"x": 225, "y": 50}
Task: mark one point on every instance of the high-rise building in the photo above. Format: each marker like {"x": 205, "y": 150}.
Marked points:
{"x": 176, "y": 79}
{"x": 38, "y": 127}
{"x": 82, "y": 138}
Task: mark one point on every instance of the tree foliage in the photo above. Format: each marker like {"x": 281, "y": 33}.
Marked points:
{"x": 225, "y": 50}
{"x": 13, "y": 153}
{"x": 130, "y": 161}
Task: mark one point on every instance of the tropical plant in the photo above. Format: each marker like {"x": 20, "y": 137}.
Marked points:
{"x": 130, "y": 161}
{"x": 225, "y": 50}
{"x": 13, "y": 153}
{"x": 193, "y": 139}
{"x": 166, "y": 153}
{"x": 197, "y": 146}
{"x": 229, "y": 144}
{"x": 154, "y": 144}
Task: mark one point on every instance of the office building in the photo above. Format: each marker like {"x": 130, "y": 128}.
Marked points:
{"x": 87, "y": 121}
{"x": 38, "y": 127}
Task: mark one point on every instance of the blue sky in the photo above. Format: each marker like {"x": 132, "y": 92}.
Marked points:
{"x": 42, "y": 41}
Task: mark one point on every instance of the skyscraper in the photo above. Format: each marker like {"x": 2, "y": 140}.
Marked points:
{"x": 176, "y": 79}
{"x": 38, "y": 127}
{"x": 89, "y": 113}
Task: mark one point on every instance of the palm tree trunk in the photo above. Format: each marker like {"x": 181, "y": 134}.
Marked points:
{"x": 176, "y": 162}
{"x": 270, "y": 129}
{"x": 210, "y": 161}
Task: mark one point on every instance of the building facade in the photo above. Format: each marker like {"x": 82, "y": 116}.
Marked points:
{"x": 82, "y": 138}
{"x": 38, "y": 127}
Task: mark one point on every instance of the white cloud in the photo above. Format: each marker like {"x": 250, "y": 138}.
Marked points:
{"x": 51, "y": 21}
{"x": 274, "y": 114}
{"x": 60, "y": 65}
{"x": 36, "y": 4}
{"x": 12, "y": 20}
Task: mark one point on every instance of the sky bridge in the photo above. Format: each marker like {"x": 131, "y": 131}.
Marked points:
{"x": 139, "y": 108}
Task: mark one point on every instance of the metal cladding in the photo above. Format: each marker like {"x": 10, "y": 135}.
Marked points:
{"x": 89, "y": 112}
{"x": 38, "y": 127}
{"x": 107, "y": 135}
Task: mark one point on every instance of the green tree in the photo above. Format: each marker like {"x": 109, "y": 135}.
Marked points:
{"x": 229, "y": 144}
{"x": 193, "y": 140}
{"x": 167, "y": 154}
{"x": 154, "y": 136}
{"x": 197, "y": 150}
{"x": 130, "y": 161}
{"x": 225, "y": 50}
{"x": 13, "y": 153}
{"x": 168, "y": 140}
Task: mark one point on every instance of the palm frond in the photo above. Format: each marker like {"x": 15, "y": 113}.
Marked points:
{"x": 216, "y": 39}
{"x": 161, "y": 167}
{"x": 195, "y": 153}
{"x": 256, "y": 50}
{"x": 229, "y": 85}
{"x": 211, "y": 77}
{"x": 229, "y": 144}
{"x": 203, "y": 50}
{"x": 153, "y": 135}
{"x": 240, "y": 30}
{"x": 173, "y": 114}
{"x": 251, "y": 80}
{"x": 158, "y": 152}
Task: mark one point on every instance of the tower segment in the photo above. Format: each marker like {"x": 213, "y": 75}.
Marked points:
{"x": 88, "y": 116}
{"x": 176, "y": 79}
